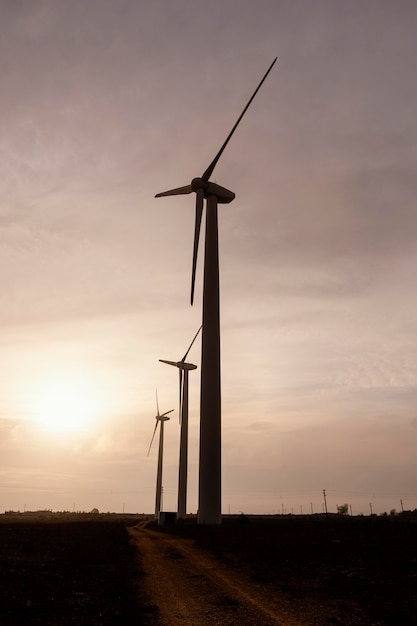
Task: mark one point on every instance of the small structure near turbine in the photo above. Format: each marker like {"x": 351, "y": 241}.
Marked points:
{"x": 160, "y": 419}
{"x": 209, "y": 506}
{"x": 183, "y": 369}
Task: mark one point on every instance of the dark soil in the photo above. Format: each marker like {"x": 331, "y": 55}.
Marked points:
{"x": 329, "y": 571}
{"x": 58, "y": 573}
{"x": 353, "y": 565}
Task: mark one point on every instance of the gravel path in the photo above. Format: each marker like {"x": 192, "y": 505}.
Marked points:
{"x": 189, "y": 587}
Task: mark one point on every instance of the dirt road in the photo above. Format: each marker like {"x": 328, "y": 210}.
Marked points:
{"x": 190, "y": 587}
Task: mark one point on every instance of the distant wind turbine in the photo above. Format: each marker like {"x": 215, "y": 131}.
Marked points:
{"x": 183, "y": 369}
{"x": 159, "y": 419}
{"x": 209, "y": 509}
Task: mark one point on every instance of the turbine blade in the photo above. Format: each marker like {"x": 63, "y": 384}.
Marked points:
{"x": 168, "y": 362}
{"x": 198, "y": 216}
{"x": 154, "y": 431}
{"x": 191, "y": 344}
{"x": 157, "y": 405}
{"x": 166, "y": 413}
{"x": 179, "y": 191}
{"x": 209, "y": 170}
{"x": 180, "y": 400}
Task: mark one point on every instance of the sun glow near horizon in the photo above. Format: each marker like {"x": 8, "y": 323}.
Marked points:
{"x": 65, "y": 403}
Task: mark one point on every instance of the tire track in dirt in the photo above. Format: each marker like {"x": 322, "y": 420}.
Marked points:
{"x": 191, "y": 588}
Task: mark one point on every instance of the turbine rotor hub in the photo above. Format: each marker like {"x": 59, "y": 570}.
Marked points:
{"x": 223, "y": 195}
{"x": 186, "y": 366}
{"x": 198, "y": 183}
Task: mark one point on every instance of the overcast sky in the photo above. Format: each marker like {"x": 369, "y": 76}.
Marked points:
{"x": 106, "y": 103}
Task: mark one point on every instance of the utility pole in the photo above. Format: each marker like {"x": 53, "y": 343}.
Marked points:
{"x": 370, "y": 506}
{"x": 402, "y": 507}
{"x": 325, "y": 501}
{"x": 350, "y": 509}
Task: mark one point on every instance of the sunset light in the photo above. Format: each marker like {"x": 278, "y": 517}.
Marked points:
{"x": 208, "y": 239}
{"x": 65, "y": 406}
{"x": 107, "y": 104}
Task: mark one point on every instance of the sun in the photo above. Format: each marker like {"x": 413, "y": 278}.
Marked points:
{"x": 67, "y": 404}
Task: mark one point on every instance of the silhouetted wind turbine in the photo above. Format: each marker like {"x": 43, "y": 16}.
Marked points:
{"x": 209, "y": 510}
{"x": 183, "y": 369}
{"x": 161, "y": 419}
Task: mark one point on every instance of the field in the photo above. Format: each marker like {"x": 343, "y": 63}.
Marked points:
{"x": 98, "y": 570}
{"x": 59, "y": 570}
{"x": 335, "y": 570}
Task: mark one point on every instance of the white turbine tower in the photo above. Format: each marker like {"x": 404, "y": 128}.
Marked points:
{"x": 183, "y": 369}
{"x": 159, "y": 419}
{"x": 209, "y": 509}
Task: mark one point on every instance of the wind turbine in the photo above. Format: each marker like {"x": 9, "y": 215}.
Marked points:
{"x": 159, "y": 419}
{"x": 183, "y": 369}
{"x": 209, "y": 509}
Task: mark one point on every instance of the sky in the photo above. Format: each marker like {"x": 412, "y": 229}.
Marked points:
{"x": 106, "y": 103}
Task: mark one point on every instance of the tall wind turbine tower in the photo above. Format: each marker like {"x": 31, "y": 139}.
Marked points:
{"x": 209, "y": 510}
{"x": 160, "y": 419}
{"x": 183, "y": 369}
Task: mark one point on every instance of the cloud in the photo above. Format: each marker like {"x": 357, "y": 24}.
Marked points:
{"x": 102, "y": 108}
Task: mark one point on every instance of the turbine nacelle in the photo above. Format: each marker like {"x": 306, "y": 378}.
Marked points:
{"x": 223, "y": 195}
{"x": 163, "y": 418}
{"x": 180, "y": 364}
